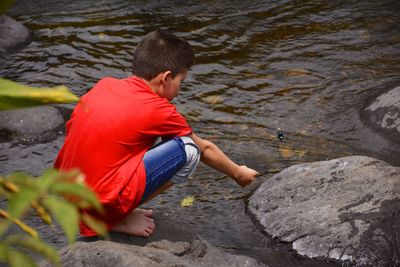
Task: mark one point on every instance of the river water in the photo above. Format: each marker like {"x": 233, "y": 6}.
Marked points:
{"x": 305, "y": 68}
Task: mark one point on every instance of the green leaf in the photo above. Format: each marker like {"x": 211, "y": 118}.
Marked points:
{"x": 66, "y": 215}
{"x": 14, "y": 95}
{"x": 45, "y": 180}
{"x": 4, "y": 193}
{"x": 21, "y": 178}
{"x": 3, "y": 252}
{"x": 78, "y": 190}
{"x": 36, "y": 245}
{"x": 18, "y": 176}
{"x": 98, "y": 226}
{"x": 18, "y": 259}
{"x": 4, "y": 224}
{"x": 20, "y": 201}
{"x": 4, "y": 5}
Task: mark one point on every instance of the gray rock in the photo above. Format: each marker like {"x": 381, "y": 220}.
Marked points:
{"x": 383, "y": 114}
{"x": 347, "y": 209}
{"x": 38, "y": 124}
{"x": 13, "y": 34}
{"x": 161, "y": 253}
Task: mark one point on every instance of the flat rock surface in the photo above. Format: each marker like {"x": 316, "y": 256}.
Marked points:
{"x": 159, "y": 253}
{"x": 347, "y": 209}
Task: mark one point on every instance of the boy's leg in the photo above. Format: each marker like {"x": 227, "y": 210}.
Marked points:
{"x": 166, "y": 164}
{"x": 169, "y": 163}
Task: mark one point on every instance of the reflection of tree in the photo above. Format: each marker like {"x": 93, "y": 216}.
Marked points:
{"x": 4, "y": 5}
{"x": 379, "y": 245}
{"x": 391, "y": 119}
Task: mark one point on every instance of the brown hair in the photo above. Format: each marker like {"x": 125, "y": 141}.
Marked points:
{"x": 161, "y": 51}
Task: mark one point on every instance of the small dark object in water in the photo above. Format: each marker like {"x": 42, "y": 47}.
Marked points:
{"x": 280, "y": 135}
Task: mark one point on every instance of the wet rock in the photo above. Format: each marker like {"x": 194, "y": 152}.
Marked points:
{"x": 13, "y": 34}
{"x": 383, "y": 114}
{"x": 30, "y": 125}
{"x": 161, "y": 253}
{"x": 345, "y": 209}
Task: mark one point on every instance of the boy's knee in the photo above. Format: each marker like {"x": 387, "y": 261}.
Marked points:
{"x": 192, "y": 159}
{"x": 192, "y": 151}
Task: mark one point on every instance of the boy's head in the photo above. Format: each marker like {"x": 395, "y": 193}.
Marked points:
{"x": 161, "y": 51}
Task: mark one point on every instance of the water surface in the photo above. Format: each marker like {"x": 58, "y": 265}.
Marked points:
{"x": 305, "y": 68}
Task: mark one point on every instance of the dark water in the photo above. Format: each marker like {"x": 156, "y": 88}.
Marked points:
{"x": 306, "y": 68}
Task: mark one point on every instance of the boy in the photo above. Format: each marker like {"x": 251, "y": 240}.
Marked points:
{"x": 111, "y": 134}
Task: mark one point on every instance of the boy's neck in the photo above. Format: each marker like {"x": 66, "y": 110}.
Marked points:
{"x": 154, "y": 85}
{"x": 161, "y": 84}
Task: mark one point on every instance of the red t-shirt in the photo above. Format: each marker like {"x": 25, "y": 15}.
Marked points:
{"x": 110, "y": 130}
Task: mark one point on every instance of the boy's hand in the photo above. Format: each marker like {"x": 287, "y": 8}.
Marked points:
{"x": 245, "y": 176}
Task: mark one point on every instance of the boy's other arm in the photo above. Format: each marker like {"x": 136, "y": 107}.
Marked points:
{"x": 215, "y": 158}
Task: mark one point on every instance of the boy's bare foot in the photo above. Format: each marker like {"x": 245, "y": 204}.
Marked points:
{"x": 148, "y": 213}
{"x": 138, "y": 223}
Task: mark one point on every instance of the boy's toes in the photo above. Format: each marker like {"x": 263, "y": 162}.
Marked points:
{"x": 151, "y": 226}
{"x": 148, "y": 213}
{"x": 146, "y": 234}
{"x": 149, "y": 231}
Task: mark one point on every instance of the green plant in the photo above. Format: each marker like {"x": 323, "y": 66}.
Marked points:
{"x": 4, "y": 5}
{"x": 54, "y": 194}
{"x": 14, "y": 95}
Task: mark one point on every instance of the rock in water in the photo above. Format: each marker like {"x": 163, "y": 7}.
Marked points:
{"x": 346, "y": 209}
{"x": 30, "y": 125}
{"x": 160, "y": 253}
{"x": 13, "y": 34}
{"x": 383, "y": 114}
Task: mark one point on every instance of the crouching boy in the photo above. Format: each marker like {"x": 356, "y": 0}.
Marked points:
{"x": 112, "y": 131}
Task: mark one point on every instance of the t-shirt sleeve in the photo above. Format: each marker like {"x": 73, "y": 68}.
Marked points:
{"x": 175, "y": 125}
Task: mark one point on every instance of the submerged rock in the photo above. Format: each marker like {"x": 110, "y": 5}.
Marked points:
{"x": 347, "y": 209}
{"x": 383, "y": 114}
{"x": 160, "y": 253}
{"x": 30, "y": 125}
{"x": 13, "y": 34}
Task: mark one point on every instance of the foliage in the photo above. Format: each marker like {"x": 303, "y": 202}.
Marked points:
{"x": 58, "y": 195}
{"x": 4, "y": 5}
{"x": 14, "y": 95}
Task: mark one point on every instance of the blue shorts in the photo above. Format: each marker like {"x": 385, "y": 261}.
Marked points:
{"x": 162, "y": 162}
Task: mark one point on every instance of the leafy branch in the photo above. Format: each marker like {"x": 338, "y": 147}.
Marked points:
{"x": 58, "y": 195}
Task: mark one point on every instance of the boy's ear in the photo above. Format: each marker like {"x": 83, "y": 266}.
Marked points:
{"x": 165, "y": 76}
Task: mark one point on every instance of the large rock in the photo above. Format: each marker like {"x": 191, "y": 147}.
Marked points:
{"x": 13, "y": 34}
{"x": 347, "y": 209}
{"x": 161, "y": 253}
{"x": 383, "y": 114}
{"x": 38, "y": 124}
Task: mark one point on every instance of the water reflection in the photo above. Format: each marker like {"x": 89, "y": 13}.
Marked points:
{"x": 303, "y": 67}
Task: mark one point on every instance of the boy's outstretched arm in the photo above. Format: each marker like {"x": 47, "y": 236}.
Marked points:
{"x": 215, "y": 158}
